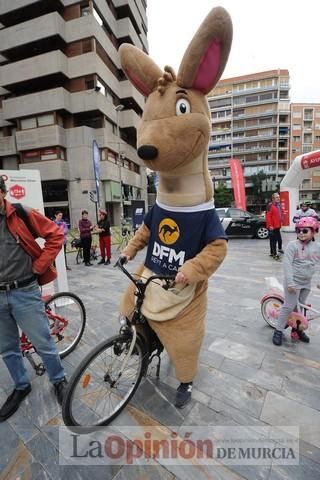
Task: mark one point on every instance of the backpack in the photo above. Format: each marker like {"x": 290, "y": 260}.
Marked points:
{"x": 24, "y": 217}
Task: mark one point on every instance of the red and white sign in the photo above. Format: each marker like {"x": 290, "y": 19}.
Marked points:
{"x": 310, "y": 160}
{"x": 17, "y": 191}
{"x": 24, "y": 186}
{"x": 238, "y": 184}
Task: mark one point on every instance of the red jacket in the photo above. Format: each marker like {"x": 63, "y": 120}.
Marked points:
{"x": 273, "y": 217}
{"x": 46, "y": 229}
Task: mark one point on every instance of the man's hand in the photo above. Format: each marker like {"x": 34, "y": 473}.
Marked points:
{"x": 292, "y": 290}
{"x": 181, "y": 278}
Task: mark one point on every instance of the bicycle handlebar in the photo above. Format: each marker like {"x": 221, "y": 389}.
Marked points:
{"x": 122, "y": 260}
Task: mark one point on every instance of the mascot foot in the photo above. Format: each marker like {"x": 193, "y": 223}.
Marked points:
{"x": 183, "y": 395}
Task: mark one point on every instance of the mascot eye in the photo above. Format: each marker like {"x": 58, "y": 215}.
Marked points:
{"x": 182, "y": 107}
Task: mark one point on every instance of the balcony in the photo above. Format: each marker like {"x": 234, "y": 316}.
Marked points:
{"x": 7, "y": 146}
{"x": 34, "y": 68}
{"x": 49, "y": 169}
{"x": 127, "y": 90}
{"x": 13, "y": 13}
{"x": 85, "y": 27}
{"x": 35, "y": 103}
{"x": 34, "y": 30}
{"x": 126, "y": 29}
{"x": 41, "y": 137}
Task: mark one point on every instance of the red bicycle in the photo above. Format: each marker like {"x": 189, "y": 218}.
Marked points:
{"x": 67, "y": 319}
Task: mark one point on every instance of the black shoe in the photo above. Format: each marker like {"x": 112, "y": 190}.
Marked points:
{"x": 183, "y": 395}
{"x": 276, "y": 257}
{"x": 280, "y": 250}
{"x": 107, "y": 262}
{"x": 68, "y": 268}
{"x": 60, "y": 389}
{"x": 101, "y": 262}
{"x": 12, "y": 403}
{"x": 88, "y": 264}
{"x": 303, "y": 337}
{"x": 277, "y": 338}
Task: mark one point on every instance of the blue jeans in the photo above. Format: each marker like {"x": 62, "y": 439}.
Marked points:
{"x": 24, "y": 307}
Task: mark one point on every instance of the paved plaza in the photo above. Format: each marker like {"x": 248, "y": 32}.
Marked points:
{"x": 244, "y": 380}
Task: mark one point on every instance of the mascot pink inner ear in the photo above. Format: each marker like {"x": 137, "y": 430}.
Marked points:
{"x": 142, "y": 87}
{"x": 208, "y": 68}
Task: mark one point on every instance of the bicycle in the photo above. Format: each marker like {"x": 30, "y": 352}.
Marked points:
{"x": 107, "y": 378}
{"x": 271, "y": 304}
{"x": 76, "y": 243}
{"x": 67, "y": 319}
{"x": 121, "y": 237}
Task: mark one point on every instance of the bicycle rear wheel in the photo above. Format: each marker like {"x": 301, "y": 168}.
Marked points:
{"x": 67, "y": 319}
{"x": 270, "y": 310}
{"x": 97, "y": 392}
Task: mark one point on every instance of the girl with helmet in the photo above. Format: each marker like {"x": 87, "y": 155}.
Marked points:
{"x": 300, "y": 259}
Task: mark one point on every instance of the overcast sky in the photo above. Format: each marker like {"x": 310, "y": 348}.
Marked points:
{"x": 267, "y": 34}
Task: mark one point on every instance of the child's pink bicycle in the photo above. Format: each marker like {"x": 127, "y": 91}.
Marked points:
{"x": 271, "y": 304}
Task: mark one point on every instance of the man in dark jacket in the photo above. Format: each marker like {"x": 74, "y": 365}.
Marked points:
{"x": 23, "y": 266}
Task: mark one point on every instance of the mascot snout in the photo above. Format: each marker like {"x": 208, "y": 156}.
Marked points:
{"x": 147, "y": 152}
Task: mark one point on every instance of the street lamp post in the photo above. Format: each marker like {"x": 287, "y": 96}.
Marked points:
{"x": 119, "y": 108}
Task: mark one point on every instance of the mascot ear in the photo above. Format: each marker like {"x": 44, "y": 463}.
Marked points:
{"x": 142, "y": 72}
{"x": 207, "y": 54}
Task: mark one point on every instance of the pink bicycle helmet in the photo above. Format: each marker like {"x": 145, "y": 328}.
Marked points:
{"x": 308, "y": 222}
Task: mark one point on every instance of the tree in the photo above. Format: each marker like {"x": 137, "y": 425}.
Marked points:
{"x": 223, "y": 196}
{"x": 259, "y": 195}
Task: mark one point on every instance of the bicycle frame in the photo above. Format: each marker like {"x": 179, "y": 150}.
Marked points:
{"x": 137, "y": 318}
{"x": 276, "y": 291}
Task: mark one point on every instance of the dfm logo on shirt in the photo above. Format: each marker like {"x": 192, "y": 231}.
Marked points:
{"x": 168, "y": 231}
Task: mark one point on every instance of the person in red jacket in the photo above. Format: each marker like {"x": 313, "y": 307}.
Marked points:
{"x": 274, "y": 218}
{"x": 24, "y": 265}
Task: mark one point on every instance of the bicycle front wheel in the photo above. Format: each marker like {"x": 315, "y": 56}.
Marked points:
{"x": 104, "y": 383}
{"x": 67, "y": 320}
{"x": 270, "y": 309}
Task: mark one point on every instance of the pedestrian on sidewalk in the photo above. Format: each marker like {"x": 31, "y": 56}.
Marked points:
{"x": 85, "y": 229}
{"x": 103, "y": 228}
{"x": 62, "y": 224}
{"x": 274, "y": 220}
{"x": 24, "y": 265}
{"x": 300, "y": 259}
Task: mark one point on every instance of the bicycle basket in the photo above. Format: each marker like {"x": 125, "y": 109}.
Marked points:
{"x": 76, "y": 243}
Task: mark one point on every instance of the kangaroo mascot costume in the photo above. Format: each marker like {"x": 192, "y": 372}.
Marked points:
{"x": 182, "y": 232}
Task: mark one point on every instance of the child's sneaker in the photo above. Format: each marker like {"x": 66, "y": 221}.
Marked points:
{"x": 295, "y": 337}
{"x": 303, "y": 337}
{"x": 183, "y": 395}
{"x": 277, "y": 338}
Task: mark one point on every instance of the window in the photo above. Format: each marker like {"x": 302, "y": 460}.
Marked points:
{"x": 85, "y": 10}
{"x": 27, "y": 123}
{"x": 47, "y": 119}
{"x": 296, "y": 138}
{"x": 38, "y": 121}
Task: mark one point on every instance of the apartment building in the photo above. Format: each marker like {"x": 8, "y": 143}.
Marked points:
{"x": 305, "y": 137}
{"x": 61, "y": 88}
{"x": 250, "y": 121}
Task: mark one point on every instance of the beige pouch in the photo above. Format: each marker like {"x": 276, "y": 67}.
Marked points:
{"x": 160, "y": 304}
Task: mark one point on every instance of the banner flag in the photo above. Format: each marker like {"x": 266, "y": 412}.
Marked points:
{"x": 238, "y": 183}
{"x": 96, "y": 168}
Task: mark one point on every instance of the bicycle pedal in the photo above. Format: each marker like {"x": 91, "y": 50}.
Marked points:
{"x": 40, "y": 369}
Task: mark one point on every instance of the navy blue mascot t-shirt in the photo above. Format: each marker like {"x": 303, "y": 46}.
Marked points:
{"x": 178, "y": 234}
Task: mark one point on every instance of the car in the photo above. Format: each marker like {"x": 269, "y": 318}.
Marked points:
{"x": 240, "y": 223}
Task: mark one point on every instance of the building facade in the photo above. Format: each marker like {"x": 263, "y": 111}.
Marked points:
{"x": 250, "y": 121}
{"x": 304, "y": 138}
{"x": 61, "y": 88}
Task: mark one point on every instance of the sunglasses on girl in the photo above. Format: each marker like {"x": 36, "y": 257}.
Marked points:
{"x": 303, "y": 230}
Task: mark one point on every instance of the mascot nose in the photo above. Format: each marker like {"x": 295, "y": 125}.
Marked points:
{"x": 147, "y": 152}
